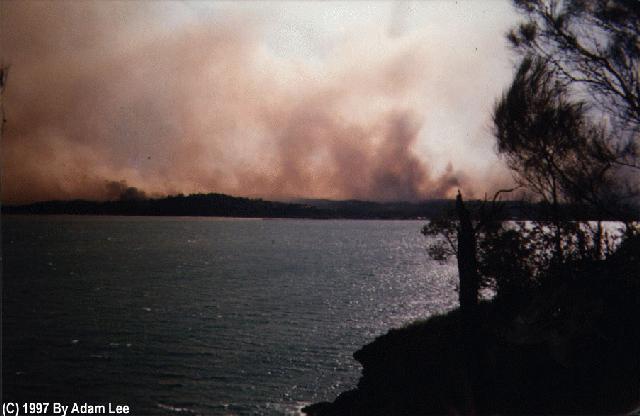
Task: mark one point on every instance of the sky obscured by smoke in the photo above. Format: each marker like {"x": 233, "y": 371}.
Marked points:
{"x": 381, "y": 101}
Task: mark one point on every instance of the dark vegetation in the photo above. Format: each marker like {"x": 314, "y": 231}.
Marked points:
{"x": 567, "y": 345}
{"x": 569, "y": 348}
{"x": 229, "y": 206}
{"x": 562, "y": 333}
{"x": 221, "y": 205}
{"x": 192, "y": 205}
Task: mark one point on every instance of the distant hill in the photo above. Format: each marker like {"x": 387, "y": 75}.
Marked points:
{"x": 220, "y": 205}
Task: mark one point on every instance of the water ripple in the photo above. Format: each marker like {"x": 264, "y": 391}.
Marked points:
{"x": 205, "y": 317}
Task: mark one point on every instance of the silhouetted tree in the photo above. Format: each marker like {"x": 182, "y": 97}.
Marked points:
{"x": 568, "y": 128}
{"x": 467, "y": 258}
{"x": 568, "y": 125}
{"x": 537, "y": 128}
{"x": 576, "y": 97}
{"x": 593, "y": 47}
{"x": 468, "y": 234}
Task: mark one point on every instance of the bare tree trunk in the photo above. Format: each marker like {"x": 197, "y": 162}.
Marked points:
{"x": 467, "y": 260}
{"x": 556, "y": 221}
{"x": 598, "y": 241}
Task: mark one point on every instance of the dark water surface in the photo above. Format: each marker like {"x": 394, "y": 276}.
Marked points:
{"x": 204, "y": 316}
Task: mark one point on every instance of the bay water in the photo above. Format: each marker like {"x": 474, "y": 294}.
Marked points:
{"x": 204, "y": 316}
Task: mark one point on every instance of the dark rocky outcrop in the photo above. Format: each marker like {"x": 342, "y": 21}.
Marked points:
{"x": 572, "y": 347}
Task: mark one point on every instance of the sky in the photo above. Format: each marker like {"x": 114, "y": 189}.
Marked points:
{"x": 281, "y": 100}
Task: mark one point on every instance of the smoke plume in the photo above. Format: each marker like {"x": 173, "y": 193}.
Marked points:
{"x": 104, "y": 102}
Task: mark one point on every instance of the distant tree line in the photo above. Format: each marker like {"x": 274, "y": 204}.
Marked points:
{"x": 132, "y": 202}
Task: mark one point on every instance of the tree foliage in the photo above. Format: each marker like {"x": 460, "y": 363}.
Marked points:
{"x": 592, "y": 46}
{"x": 569, "y": 124}
{"x": 568, "y": 127}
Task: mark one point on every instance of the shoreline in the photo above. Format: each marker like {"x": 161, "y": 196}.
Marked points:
{"x": 569, "y": 349}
